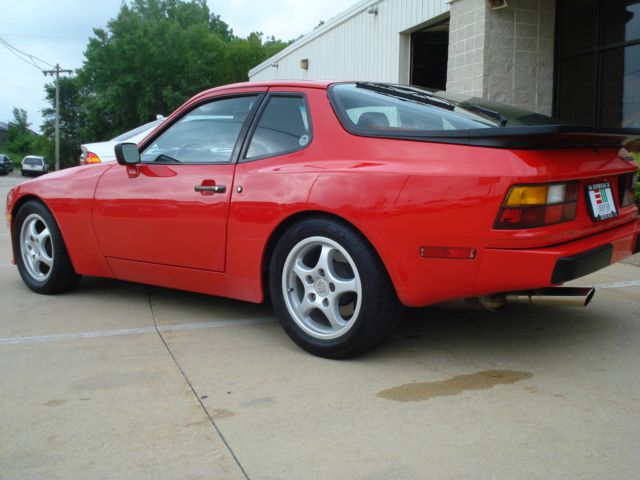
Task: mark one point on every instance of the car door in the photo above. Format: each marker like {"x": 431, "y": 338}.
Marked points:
{"x": 171, "y": 209}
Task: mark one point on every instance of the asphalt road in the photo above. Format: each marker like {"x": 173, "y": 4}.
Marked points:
{"x": 118, "y": 380}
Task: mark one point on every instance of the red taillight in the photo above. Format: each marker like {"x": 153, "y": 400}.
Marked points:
{"x": 627, "y": 188}
{"x": 530, "y": 206}
{"x": 91, "y": 158}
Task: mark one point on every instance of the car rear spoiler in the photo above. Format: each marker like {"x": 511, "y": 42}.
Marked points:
{"x": 524, "y": 138}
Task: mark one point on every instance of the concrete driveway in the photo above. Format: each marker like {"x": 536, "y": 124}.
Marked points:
{"x": 118, "y": 380}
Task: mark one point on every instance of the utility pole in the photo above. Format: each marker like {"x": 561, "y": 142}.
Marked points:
{"x": 57, "y": 71}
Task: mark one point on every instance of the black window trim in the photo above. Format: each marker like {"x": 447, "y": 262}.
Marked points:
{"x": 597, "y": 51}
{"x": 256, "y": 119}
{"x": 235, "y": 154}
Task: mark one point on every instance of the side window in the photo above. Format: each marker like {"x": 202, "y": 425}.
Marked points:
{"x": 207, "y": 134}
{"x": 283, "y": 127}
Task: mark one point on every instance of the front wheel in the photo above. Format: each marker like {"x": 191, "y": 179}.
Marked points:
{"x": 330, "y": 290}
{"x": 39, "y": 251}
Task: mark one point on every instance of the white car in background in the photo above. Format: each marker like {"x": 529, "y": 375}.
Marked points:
{"x": 100, "y": 152}
{"x": 34, "y": 165}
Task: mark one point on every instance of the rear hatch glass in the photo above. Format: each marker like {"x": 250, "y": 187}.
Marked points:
{"x": 412, "y": 113}
{"x": 32, "y": 161}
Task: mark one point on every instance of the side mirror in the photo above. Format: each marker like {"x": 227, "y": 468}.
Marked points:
{"x": 127, "y": 153}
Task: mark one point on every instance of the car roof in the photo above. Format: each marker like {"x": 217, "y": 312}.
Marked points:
{"x": 319, "y": 84}
{"x": 322, "y": 84}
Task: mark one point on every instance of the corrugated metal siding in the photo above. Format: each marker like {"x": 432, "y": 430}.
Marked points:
{"x": 362, "y": 47}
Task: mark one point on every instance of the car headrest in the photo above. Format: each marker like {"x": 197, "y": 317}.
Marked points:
{"x": 373, "y": 120}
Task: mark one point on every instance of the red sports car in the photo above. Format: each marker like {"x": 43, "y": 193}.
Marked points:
{"x": 344, "y": 201}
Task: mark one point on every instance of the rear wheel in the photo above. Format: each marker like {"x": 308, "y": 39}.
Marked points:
{"x": 39, "y": 251}
{"x": 330, "y": 290}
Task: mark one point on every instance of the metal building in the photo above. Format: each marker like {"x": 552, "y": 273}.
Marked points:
{"x": 577, "y": 59}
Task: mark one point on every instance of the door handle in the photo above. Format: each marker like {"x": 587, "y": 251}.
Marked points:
{"x": 210, "y": 188}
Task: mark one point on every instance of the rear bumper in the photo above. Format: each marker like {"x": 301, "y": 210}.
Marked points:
{"x": 576, "y": 266}
{"x": 504, "y": 270}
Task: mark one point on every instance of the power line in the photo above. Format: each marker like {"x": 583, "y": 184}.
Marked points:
{"x": 31, "y": 60}
{"x": 22, "y": 55}
{"x": 25, "y": 53}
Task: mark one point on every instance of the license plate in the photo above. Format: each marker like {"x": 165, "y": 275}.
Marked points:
{"x": 601, "y": 201}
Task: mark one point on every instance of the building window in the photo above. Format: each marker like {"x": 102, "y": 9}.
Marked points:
{"x": 598, "y": 62}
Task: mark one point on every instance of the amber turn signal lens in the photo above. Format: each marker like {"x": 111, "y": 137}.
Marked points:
{"x": 530, "y": 206}
{"x": 527, "y": 195}
{"x": 92, "y": 158}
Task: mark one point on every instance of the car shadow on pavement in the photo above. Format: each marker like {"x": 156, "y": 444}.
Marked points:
{"x": 516, "y": 332}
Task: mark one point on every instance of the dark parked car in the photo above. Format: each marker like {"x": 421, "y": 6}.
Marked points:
{"x": 34, "y": 165}
{"x": 6, "y": 165}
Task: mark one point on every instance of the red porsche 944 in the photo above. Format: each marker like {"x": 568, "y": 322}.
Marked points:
{"x": 343, "y": 202}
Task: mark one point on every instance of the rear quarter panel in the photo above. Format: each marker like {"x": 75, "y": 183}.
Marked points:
{"x": 400, "y": 194}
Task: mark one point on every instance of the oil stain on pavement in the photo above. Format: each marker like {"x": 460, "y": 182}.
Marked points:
{"x": 418, "y": 392}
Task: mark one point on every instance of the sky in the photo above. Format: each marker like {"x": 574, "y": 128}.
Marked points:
{"x": 57, "y": 31}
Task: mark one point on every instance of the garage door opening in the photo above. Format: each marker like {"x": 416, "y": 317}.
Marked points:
{"x": 429, "y": 56}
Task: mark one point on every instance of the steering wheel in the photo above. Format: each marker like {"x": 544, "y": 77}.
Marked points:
{"x": 189, "y": 150}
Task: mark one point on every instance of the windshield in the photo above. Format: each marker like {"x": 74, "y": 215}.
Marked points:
{"x": 377, "y": 106}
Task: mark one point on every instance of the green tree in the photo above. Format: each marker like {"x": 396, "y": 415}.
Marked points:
{"x": 72, "y": 133}
{"x": 18, "y": 140}
{"x": 636, "y": 155}
{"x": 155, "y": 55}
{"x": 21, "y": 141}
{"x": 246, "y": 53}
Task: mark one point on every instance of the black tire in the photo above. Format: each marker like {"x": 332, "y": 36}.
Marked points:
{"x": 39, "y": 277}
{"x": 366, "y": 323}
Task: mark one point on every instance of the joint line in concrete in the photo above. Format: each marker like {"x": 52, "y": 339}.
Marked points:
{"x": 193, "y": 390}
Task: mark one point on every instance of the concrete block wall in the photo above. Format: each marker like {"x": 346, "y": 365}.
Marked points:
{"x": 504, "y": 55}
{"x": 467, "y": 39}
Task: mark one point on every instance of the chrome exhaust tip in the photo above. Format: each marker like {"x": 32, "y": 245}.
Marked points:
{"x": 565, "y": 296}
{"x": 568, "y": 296}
